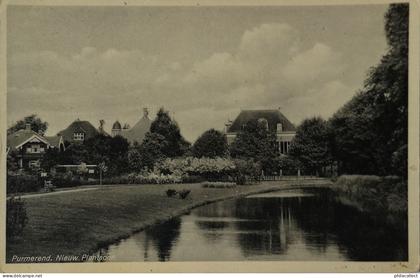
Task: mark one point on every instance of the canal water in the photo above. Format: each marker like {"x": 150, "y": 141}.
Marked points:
{"x": 309, "y": 225}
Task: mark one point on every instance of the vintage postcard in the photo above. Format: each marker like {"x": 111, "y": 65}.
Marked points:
{"x": 210, "y": 136}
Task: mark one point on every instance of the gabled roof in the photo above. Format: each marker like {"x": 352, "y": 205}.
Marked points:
{"x": 78, "y": 126}
{"x": 116, "y": 125}
{"x": 55, "y": 141}
{"x": 138, "y": 131}
{"x": 273, "y": 117}
{"x": 22, "y": 136}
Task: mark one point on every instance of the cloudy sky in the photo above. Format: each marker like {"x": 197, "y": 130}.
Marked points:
{"x": 203, "y": 64}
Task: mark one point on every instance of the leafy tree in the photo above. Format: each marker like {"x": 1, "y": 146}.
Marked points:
{"x": 98, "y": 149}
{"x": 16, "y": 217}
{"x": 134, "y": 158}
{"x": 118, "y": 154}
{"x": 256, "y": 142}
{"x": 168, "y": 129}
{"x": 76, "y": 154}
{"x": 288, "y": 164}
{"x": 54, "y": 157}
{"x": 36, "y": 123}
{"x": 152, "y": 150}
{"x": 211, "y": 143}
{"x": 12, "y": 161}
{"x": 373, "y": 126}
{"x": 310, "y": 146}
{"x": 110, "y": 150}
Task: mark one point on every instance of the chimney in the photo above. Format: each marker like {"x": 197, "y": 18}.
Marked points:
{"x": 228, "y": 125}
{"x": 145, "y": 112}
{"x": 27, "y": 127}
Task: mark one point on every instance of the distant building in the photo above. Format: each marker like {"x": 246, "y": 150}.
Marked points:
{"x": 137, "y": 132}
{"x": 274, "y": 120}
{"x": 31, "y": 146}
{"x": 78, "y": 131}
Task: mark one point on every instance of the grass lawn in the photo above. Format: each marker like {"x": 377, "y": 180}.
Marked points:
{"x": 77, "y": 223}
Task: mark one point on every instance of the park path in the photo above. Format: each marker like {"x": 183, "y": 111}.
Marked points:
{"x": 282, "y": 185}
{"x": 37, "y": 195}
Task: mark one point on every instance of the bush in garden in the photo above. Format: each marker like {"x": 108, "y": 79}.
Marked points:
{"x": 207, "y": 168}
{"x": 192, "y": 179}
{"x": 241, "y": 180}
{"x": 287, "y": 164}
{"x": 184, "y": 193}
{"x": 374, "y": 192}
{"x": 16, "y": 217}
{"x": 171, "y": 192}
{"x": 246, "y": 171}
{"x": 23, "y": 182}
{"x": 151, "y": 178}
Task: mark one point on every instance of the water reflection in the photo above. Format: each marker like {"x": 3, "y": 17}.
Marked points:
{"x": 163, "y": 237}
{"x": 289, "y": 227}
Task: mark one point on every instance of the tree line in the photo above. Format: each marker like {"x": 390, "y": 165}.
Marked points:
{"x": 368, "y": 135}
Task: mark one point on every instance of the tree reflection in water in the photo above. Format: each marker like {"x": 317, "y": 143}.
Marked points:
{"x": 296, "y": 227}
{"x": 270, "y": 225}
{"x": 163, "y": 237}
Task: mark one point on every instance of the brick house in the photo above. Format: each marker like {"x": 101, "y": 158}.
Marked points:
{"x": 275, "y": 121}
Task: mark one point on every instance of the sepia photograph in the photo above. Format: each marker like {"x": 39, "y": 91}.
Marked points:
{"x": 189, "y": 133}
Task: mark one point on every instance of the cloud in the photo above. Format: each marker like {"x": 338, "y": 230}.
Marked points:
{"x": 268, "y": 68}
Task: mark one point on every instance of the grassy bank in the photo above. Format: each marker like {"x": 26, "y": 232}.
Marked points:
{"x": 77, "y": 223}
{"x": 373, "y": 193}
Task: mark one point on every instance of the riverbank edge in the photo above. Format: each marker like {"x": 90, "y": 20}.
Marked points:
{"x": 185, "y": 210}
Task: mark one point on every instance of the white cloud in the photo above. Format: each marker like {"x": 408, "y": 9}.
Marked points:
{"x": 269, "y": 68}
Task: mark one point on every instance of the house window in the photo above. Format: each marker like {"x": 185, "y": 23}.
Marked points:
{"x": 263, "y": 122}
{"x": 34, "y": 149}
{"x": 79, "y": 136}
{"x": 284, "y": 147}
{"x": 279, "y": 127}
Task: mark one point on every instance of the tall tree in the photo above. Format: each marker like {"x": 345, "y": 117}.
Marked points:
{"x": 163, "y": 125}
{"x": 256, "y": 142}
{"x": 371, "y": 130}
{"x": 152, "y": 150}
{"x": 211, "y": 143}
{"x": 36, "y": 123}
{"x": 311, "y": 146}
{"x": 110, "y": 150}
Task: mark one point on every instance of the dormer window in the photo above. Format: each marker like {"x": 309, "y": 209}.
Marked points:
{"x": 279, "y": 127}
{"x": 263, "y": 122}
{"x": 78, "y": 136}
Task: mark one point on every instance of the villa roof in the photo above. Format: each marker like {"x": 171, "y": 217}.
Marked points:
{"x": 78, "y": 126}
{"x": 138, "y": 131}
{"x": 19, "y": 137}
{"x": 55, "y": 141}
{"x": 273, "y": 117}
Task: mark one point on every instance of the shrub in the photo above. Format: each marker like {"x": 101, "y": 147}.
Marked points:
{"x": 23, "y": 182}
{"x": 192, "y": 179}
{"x": 241, "y": 180}
{"x": 171, "y": 192}
{"x": 16, "y": 217}
{"x": 373, "y": 192}
{"x": 246, "y": 171}
{"x": 207, "y": 168}
{"x": 219, "y": 184}
{"x": 184, "y": 193}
